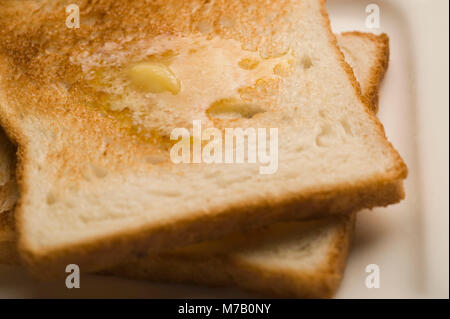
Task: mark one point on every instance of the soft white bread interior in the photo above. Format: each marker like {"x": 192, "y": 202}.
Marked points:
{"x": 304, "y": 259}
{"x": 96, "y": 183}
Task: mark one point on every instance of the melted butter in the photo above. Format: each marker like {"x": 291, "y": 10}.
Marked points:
{"x": 207, "y": 70}
{"x": 124, "y": 120}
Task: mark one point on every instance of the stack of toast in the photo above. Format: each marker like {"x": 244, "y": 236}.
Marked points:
{"x": 87, "y": 175}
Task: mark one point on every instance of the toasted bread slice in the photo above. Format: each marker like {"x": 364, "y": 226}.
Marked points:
{"x": 96, "y": 182}
{"x": 310, "y": 256}
{"x": 303, "y": 259}
{"x": 289, "y": 260}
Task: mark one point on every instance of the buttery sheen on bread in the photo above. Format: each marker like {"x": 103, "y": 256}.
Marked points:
{"x": 96, "y": 183}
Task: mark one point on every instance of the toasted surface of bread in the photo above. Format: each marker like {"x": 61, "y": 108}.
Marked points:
{"x": 95, "y": 180}
{"x": 289, "y": 260}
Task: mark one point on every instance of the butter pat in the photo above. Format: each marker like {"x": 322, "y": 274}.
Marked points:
{"x": 231, "y": 109}
{"x": 153, "y": 77}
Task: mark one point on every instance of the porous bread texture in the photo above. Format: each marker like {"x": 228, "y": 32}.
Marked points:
{"x": 287, "y": 260}
{"x": 91, "y": 192}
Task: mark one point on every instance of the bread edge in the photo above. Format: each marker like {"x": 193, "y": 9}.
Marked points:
{"x": 378, "y": 70}
{"x": 9, "y": 254}
{"x": 224, "y": 270}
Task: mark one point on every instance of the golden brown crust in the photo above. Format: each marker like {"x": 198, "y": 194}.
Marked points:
{"x": 7, "y": 222}
{"x": 338, "y": 257}
{"x": 226, "y": 269}
{"x": 98, "y": 255}
{"x": 378, "y": 191}
{"x": 400, "y": 170}
{"x": 378, "y": 69}
{"x": 8, "y": 250}
{"x": 318, "y": 283}
{"x": 8, "y": 184}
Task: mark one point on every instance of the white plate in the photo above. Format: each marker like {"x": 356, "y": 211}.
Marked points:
{"x": 409, "y": 241}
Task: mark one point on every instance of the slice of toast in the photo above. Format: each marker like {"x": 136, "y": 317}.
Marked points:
{"x": 92, "y": 115}
{"x": 310, "y": 256}
{"x": 296, "y": 259}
